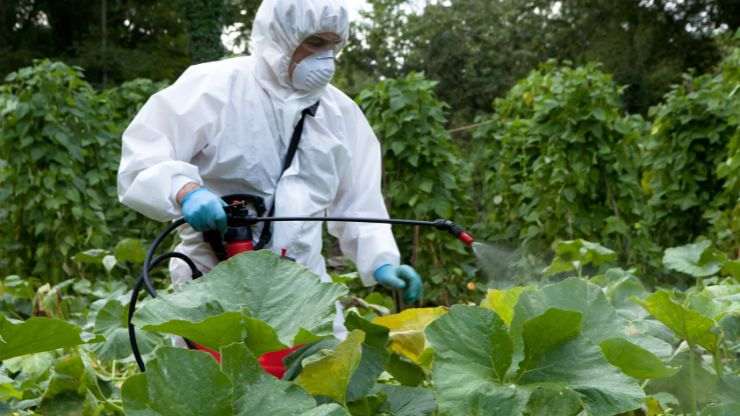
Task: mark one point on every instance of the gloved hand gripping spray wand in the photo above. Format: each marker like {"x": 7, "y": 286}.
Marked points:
{"x": 238, "y": 239}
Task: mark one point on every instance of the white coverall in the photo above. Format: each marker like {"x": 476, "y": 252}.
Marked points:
{"x": 227, "y": 124}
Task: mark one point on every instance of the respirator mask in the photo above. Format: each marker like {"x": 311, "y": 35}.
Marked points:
{"x": 315, "y": 71}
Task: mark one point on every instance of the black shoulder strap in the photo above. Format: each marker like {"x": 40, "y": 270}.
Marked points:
{"x": 295, "y": 139}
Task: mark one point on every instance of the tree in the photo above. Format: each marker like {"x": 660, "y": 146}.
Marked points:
{"x": 477, "y": 49}
{"x": 204, "y": 21}
{"x": 118, "y": 40}
{"x": 646, "y": 45}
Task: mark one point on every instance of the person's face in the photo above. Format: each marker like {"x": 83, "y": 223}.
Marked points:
{"x": 313, "y": 44}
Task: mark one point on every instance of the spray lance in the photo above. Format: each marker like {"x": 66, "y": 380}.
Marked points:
{"x": 244, "y": 212}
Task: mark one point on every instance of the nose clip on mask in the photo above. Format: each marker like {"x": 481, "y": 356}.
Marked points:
{"x": 314, "y": 71}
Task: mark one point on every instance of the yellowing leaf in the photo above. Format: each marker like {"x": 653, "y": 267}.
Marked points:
{"x": 329, "y": 376}
{"x": 647, "y": 177}
{"x": 407, "y": 330}
{"x": 503, "y": 302}
{"x": 528, "y": 98}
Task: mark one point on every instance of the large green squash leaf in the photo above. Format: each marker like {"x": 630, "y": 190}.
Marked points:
{"x": 624, "y": 291}
{"x": 599, "y": 319}
{"x": 693, "y": 259}
{"x": 407, "y": 401}
{"x": 183, "y": 382}
{"x": 545, "y": 332}
{"x": 72, "y": 388}
{"x": 111, "y": 323}
{"x": 178, "y": 382}
{"x": 284, "y": 295}
{"x": 574, "y": 254}
{"x": 37, "y": 335}
{"x": 688, "y": 324}
{"x": 130, "y": 249}
{"x": 223, "y": 329}
{"x": 696, "y": 385}
{"x": 559, "y": 366}
{"x": 467, "y": 372}
{"x": 553, "y": 400}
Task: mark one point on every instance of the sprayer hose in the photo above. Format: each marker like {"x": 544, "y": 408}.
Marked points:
{"x": 140, "y": 283}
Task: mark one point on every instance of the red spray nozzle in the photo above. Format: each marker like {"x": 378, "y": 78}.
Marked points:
{"x": 466, "y": 238}
{"x": 455, "y": 230}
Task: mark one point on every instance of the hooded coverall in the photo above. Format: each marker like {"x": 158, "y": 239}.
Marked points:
{"x": 226, "y": 126}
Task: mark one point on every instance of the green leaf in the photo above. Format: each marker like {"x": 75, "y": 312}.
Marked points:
{"x": 543, "y": 333}
{"x": 580, "y": 366}
{"x": 406, "y": 372}
{"x": 374, "y": 356}
{"x": 368, "y": 405}
{"x": 94, "y": 256}
{"x": 625, "y": 287}
{"x": 109, "y": 262}
{"x": 36, "y": 335}
{"x": 726, "y": 409}
{"x": 72, "y": 381}
{"x": 33, "y": 366}
{"x": 696, "y": 385}
{"x": 574, "y": 254}
{"x": 227, "y": 328}
{"x": 692, "y": 259}
{"x": 283, "y": 294}
{"x": 111, "y": 323}
{"x": 732, "y": 268}
{"x": 466, "y": 382}
{"x": 201, "y": 388}
{"x": 688, "y": 324}
{"x": 599, "y": 319}
{"x": 471, "y": 357}
{"x": 130, "y": 249}
{"x": 553, "y": 400}
{"x": 330, "y": 375}
{"x": 634, "y": 360}
{"x": 408, "y": 401}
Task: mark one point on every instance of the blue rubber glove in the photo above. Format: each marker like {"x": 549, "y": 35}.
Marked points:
{"x": 204, "y": 210}
{"x": 401, "y": 277}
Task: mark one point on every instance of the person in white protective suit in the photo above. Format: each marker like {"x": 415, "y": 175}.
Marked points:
{"x": 224, "y": 128}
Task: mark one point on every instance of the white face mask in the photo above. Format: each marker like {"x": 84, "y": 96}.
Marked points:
{"x": 314, "y": 71}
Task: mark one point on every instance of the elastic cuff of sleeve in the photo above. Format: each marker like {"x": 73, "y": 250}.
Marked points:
{"x": 178, "y": 181}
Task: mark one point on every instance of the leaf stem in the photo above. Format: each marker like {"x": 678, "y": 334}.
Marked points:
{"x": 692, "y": 377}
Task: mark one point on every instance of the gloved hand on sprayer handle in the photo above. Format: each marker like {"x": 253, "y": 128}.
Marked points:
{"x": 204, "y": 210}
